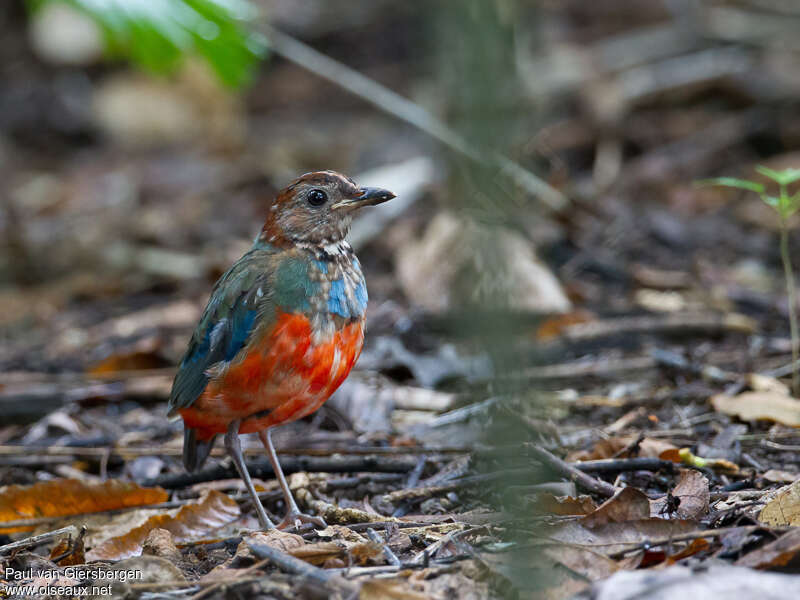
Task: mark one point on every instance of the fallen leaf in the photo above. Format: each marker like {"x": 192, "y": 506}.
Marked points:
{"x": 617, "y": 537}
{"x": 698, "y": 545}
{"x": 629, "y": 504}
{"x": 554, "y": 326}
{"x": 764, "y": 383}
{"x": 190, "y": 521}
{"x": 65, "y": 497}
{"x": 692, "y": 495}
{"x": 778, "y": 476}
{"x": 131, "y": 361}
{"x": 73, "y": 548}
{"x": 609, "y": 448}
{"x": 757, "y": 406}
{"x": 565, "y": 505}
{"x": 784, "y": 508}
{"x": 781, "y": 553}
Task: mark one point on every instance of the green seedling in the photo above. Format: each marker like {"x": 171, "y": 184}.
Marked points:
{"x": 785, "y": 205}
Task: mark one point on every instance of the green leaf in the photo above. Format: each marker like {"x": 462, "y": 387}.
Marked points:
{"x": 784, "y": 177}
{"x": 771, "y": 200}
{"x": 157, "y": 34}
{"x": 744, "y": 184}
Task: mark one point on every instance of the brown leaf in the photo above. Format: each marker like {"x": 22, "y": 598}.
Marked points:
{"x": 629, "y": 504}
{"x": 318, "y": 553}
{"x": 755, "y": 406}
{"x": 783, "y": 552}
{"x": 65, "y": 497}
{"x": 609, "y": 448}
{"x": 131, "y": 361}
{"x": 73, "y": 549}
{"x": 188, "y": 522}
{"x": 784, "y": 508}
{"x": 554, "y": 327}
{"x": 698, "y": 545}
{"x": 693, "y": 496}
{"x": 565, "y": 505}
{"x": 616, "y": 537}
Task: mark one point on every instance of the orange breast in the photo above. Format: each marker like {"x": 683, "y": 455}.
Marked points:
{"x": 283, "y": 376}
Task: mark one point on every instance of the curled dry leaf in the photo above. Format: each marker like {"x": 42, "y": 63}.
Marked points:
{"x": 191, "y": 521}
{"x": 755, "y": 406}
{"x": 784, "y": 508}
{"x": 65, "y": 497}
{"x": 692, "y": 496}
{"x": 629, "y": 504}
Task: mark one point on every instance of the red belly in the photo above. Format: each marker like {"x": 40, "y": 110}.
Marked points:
{"x": 284, "y": 375}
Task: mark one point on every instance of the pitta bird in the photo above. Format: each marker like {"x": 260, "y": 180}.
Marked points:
{"x": 282, "y": 329}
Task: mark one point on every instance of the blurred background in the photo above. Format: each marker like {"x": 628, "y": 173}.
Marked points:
{"x": 544, "y": 155}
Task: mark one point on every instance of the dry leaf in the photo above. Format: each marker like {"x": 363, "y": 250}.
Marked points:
{"x": 65, "y": 497}
{"x": 629, "y": 504}
{"x": 764, "y": 383}
{"x": 784, "y": 508}
{"x": 131, "y": 361}
{"x": 609, "y": 448}
{"x": 698, "y": 545}
{"x": 783, "y": 552}
{"x": 565, "y": 505}
{"x": 778, "y": 476}
{"x": 554, "y": 326}
{"x": 190, "y": 521}
{"x": 616, "y": 537}
{"x": 692, "y": 496}
{"x": 73, "y": 548}
{"x": 755, "y": 406}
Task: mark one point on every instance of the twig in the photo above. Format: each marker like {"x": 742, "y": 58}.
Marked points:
{"x": 571, "y": 472}
{"x": 387, "y": 552}
{"x": 618, "y": 465}
{"x": 291, "y": 464}
{"x": 37, "y": 539}
{"x": 405, "y": 110}
{"x": 295, "y": 566}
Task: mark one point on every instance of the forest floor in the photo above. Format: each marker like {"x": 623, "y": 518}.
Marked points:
{"x": 651, "y": 431}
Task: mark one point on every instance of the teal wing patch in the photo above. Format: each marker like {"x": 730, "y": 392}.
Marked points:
{"x": 238, "y": 301}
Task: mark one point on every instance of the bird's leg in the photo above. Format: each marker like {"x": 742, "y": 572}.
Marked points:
{"x": 235, "y": 450}
{"x": 293, "y": 516}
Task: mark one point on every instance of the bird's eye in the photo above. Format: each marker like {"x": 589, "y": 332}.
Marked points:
{"x": 317, "y": 197}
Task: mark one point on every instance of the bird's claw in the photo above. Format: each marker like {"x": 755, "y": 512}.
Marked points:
{"x": 296, "y": 518}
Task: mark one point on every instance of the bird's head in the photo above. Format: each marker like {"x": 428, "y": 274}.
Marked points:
{"x": 317, "y": 208}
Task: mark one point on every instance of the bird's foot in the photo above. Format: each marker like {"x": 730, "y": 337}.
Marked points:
{"x": 295, "y": 518}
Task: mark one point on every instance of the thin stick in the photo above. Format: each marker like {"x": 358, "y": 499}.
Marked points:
{"x": 405, "y": 110}
{"x": 580, "y": 478}
{"x": 387, "y": 552}
{"x": 788, "y": 273}
{"x": 38, "y": 539}
{"x": 295, "y": 566}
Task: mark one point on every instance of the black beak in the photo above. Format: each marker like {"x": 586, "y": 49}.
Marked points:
{"x": 368, "y": 196}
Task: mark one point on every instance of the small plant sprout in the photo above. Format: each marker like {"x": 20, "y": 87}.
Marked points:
{"x": 785, "y": 205}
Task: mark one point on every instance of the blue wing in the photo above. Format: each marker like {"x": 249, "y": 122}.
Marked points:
{"x": 225, "y": 328}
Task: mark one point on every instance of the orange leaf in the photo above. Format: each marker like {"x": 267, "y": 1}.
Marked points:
{"x": 132, "y": 361}
{"x": 65, "y": 497}
{"x": 214, "y": 509}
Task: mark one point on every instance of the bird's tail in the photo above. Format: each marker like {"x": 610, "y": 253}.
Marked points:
{"x": 195, "y": 451}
